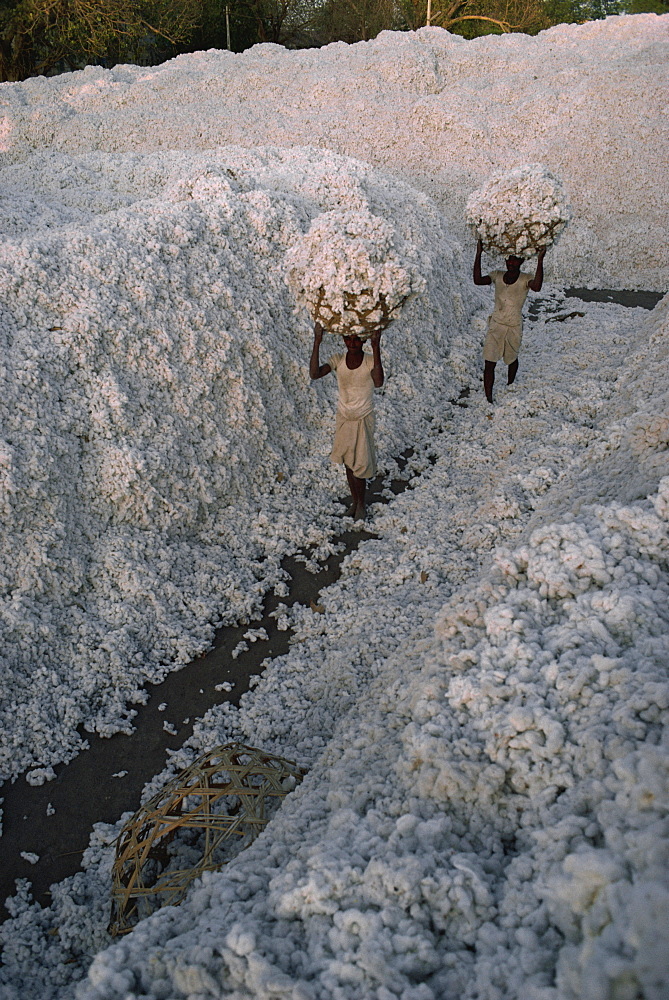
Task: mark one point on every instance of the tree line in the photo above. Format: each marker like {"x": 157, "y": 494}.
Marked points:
{"x": 43, "y": 37}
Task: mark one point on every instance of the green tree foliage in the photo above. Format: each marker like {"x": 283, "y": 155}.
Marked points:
{"x": 284, "y": 22}
{"x": 479, "y": 17}
{"x": 647, "y": 7}
{"x": 38, "y": 36}
{"x": 217, "y": 21}
{"x": 579, "y": 11}
{"x": 355, "y": 20}
{"x": 46, "y": 36}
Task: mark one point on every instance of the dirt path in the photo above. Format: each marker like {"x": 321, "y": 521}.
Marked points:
{"x": 86, "y": 790}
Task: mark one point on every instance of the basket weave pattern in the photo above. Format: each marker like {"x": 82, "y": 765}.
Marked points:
{"x": 224, "y": 799}
{"x": 519, "y": 212}
{"x": 353, "y": 271}
{"x": 357, "y": 314}
{"x": 524, "y": 239}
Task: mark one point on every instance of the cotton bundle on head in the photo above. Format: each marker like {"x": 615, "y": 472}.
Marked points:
{"x": 518, "y": 212}
{"x": 349, "y": 273}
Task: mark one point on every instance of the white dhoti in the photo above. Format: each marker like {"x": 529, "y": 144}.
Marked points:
{"x": 353, "y": 445}
{"x": 502, "y": 341}
{"x": 505, "y": 326}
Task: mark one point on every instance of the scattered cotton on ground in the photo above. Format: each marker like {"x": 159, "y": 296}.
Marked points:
{"x": 162, "y": 447}
{"x": 482, "y": 709}
{"x": 482, "y": 703}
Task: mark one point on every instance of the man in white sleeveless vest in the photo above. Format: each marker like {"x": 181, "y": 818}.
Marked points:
{"x": 358, "y": 374}
{"x": 505, "y": 326}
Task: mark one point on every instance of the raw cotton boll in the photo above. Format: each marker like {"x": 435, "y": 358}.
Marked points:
{"x": 661, "y": 501}
{"x": 350, "y": 275}
{"x": 206, "y": 185}
{"x": 649, "y": 432}
{"x": 518, "y": 212}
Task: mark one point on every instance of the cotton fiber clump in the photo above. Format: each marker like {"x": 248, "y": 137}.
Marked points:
{"x": 587, "y": 100}
{"x": 482, "y": 704}
{"x": 634, "y": 455}
{"x": 347, "y": 272}
{"x": 485, "y": 809}
{"x": 488, "y": 817}
{"x": 519, "y": 212}
{"x": 155, "y": 400}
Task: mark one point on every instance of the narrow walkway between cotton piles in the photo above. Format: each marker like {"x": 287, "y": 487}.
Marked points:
{"x": 87, "y": 790}
{"x": 54, "y": 820}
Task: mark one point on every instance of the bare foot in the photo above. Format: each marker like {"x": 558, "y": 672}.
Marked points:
{"x": 360, "y": 512}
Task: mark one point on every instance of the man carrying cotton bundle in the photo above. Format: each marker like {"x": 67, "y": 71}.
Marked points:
{"x": 358, "y": 374}
{"x": 515, "y": 214}
{"x": 505, "y": 326}
{"x": 353, "y": 273}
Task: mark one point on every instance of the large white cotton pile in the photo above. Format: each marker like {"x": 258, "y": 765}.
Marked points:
{"x": 349, "y": 274}
{"x": 627, "y": 463}
{"x": 485, "y": 813}
{"x": 519, "y": 212}
{"x": 486, "y": 809}
{"x": 162, "y": 446}
{"x": 431, "y": 108}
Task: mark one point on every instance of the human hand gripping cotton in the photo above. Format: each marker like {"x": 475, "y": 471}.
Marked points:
{"x": 348, "y": 272}
{"x": 518, "y": 212}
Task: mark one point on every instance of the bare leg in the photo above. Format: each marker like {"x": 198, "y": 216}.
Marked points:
{"x": 358, "y": 489}
{"x": 361, "y": 506}
{"x": 488, "y": 379}
{"x": 513, "y": 371}
{"x": 352, "y": 487}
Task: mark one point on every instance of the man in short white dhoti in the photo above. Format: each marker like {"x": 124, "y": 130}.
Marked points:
{"x": 358, "y": 374}
{"x": 505, "y": 326}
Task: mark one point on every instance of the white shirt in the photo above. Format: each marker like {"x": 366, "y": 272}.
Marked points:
{"x": 509, "y": 299}
{"x": 356, "y": 388}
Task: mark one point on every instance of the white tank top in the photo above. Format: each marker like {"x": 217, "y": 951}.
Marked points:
{"x": 509, "y": 299}
{"x": 356, "y": 388}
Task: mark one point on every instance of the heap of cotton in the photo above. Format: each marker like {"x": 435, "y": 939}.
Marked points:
{"x": 404, "y": 103}
{"x": 486, "y": 805}
{"x": 154, "y": 395}
{"x": 348, "y": 273}
{"x": 519, "y": 212}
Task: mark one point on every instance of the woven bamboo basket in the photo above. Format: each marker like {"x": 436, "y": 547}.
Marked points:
{"x": 334, "y": 322}
{"x": 207, "y": 814}
{"x": 534, "y": 236}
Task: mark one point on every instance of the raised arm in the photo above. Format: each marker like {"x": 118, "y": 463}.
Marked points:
{"x": 377, "y": 369}
{"x": 480, "y": 279}
{"x": 538, "y": 279}
{"x": 316, "y": 369}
